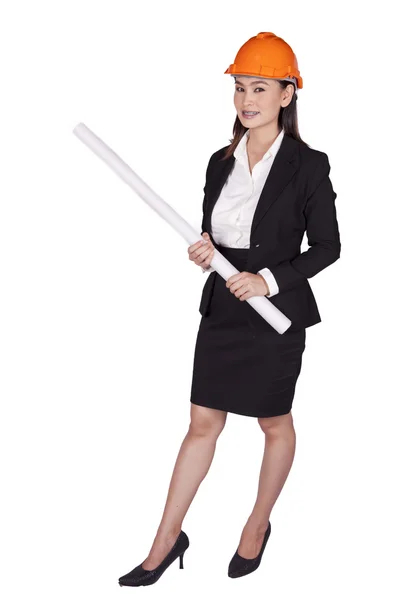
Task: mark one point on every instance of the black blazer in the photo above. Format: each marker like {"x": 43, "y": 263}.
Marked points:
{"x": 297, "y": 197}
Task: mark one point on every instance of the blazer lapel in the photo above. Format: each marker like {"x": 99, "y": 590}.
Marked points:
{"x": 283, "y": 168}
{"x": 220, "y": 175}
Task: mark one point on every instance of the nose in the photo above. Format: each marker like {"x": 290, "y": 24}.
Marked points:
{"x": 247, "y": 102}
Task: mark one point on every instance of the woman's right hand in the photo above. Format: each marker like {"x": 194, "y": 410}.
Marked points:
{"x": 202, "y": 252}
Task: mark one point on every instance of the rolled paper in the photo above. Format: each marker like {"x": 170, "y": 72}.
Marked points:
{"x": 261, "y": 304}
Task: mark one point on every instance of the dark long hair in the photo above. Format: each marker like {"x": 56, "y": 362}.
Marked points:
{"x": 287, "y": 120}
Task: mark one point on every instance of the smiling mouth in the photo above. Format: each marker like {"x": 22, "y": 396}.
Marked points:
{"x": 250, "y": 115}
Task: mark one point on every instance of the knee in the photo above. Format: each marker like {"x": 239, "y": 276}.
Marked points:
{"x": 277, "y": 426}
{"x": 206, "y": 422}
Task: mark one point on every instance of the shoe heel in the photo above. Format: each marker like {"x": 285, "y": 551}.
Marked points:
{"x": 181, "y": 561}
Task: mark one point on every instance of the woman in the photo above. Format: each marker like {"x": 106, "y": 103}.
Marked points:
{"x": 262, "y": 193}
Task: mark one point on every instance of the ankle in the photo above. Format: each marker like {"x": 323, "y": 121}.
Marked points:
{"x": 258, "y": 524}
{"x": 168, "y": 534}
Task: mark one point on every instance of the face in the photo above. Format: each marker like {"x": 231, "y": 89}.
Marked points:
{"x": 264, "y": 96}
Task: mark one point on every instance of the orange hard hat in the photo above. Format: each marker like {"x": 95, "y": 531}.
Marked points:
{"x": 269, "y": 56}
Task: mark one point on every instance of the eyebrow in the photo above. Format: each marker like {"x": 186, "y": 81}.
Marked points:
{"x": 252, "y": 83}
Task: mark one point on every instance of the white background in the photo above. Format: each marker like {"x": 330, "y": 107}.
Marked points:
{"x": 95, "y": 383}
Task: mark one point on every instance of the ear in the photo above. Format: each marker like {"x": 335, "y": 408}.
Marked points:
{"x": 288, "y": 95}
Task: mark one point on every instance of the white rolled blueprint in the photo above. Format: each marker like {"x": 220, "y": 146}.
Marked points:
{"x": 261, "y": 304}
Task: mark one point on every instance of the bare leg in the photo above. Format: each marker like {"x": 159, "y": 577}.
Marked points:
{"x": 280, "y": 444}
{"x": 192, "y": 465}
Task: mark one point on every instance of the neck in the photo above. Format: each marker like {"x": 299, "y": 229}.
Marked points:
{"x": 262, "y": 138}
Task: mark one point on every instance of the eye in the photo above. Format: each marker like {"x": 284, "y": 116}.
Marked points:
{"x": 257, "y": 88}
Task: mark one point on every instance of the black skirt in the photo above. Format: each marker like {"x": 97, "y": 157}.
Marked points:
{"x": 237, "y": 367}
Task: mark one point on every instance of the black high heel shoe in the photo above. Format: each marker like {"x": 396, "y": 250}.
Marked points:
{"x": 240, "y": 566}
{"x": 139, "y": 576}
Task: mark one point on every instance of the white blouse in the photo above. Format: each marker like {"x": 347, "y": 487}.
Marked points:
{"x": 234, "y": 210}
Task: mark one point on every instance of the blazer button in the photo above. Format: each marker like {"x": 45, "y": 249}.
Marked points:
{"x": 257, "y": 245}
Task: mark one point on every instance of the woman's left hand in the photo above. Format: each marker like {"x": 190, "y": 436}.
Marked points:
{"x": 246, "y": 285}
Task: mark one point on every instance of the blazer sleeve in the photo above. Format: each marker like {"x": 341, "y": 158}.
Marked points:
{"x": 208, "y": 177}
{"x": 322, "y": 233}
{"x": 208, "y": 172}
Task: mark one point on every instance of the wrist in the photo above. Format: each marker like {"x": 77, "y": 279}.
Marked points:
{"x": 265, "y": 285}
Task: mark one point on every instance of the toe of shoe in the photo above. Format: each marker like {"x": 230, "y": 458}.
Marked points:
{"x": 240, "y": 566}
{"x": 132, "y": 577}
